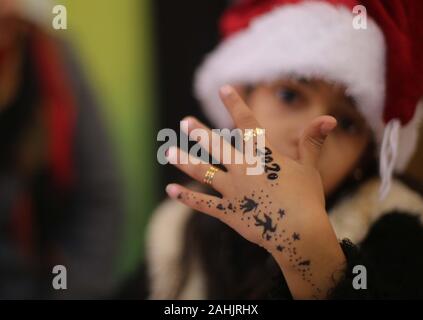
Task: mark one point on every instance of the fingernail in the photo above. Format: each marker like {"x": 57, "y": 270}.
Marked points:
{"x": 185, "y": 123}
{"x": 327, "y": 127}
{"x": 188, "y": 119}
{"x": 226, "y": 90}
{"x": 172, "y": 190}
{"x": 171, "y": 155}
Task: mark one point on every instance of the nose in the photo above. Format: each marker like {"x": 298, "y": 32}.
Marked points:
{"x": 318, "y": 108}
{"x": 304, "y": 121}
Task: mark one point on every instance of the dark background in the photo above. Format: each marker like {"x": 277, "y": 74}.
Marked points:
{"x": 184, "y": 32}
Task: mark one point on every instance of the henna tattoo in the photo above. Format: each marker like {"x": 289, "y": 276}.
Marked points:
{"x": 220, "y": 207}
{"x": 266, "y": 224}
{"x": 259, "y": 204}
{"x": 304, "y": 263}
{"x": 248, "y": 205}
{"x": 267, "y": 217}
{"x": 231, "y": 206}
{"x": 280, "y": 248}
{"x": 281, "y": 213}
{"x": 270, "y": 167}
{"x": 297, "y": 262}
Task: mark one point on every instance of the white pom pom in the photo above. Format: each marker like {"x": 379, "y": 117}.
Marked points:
{"x": 388, "y": 156}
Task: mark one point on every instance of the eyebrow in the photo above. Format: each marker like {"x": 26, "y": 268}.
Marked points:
{"x": 347, "y": 99}
{"x": 348, "y": 103}
{"x": 350, "y": 100}
{"x": 306, "y": 81}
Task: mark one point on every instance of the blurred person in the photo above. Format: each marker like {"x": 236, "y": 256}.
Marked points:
{"x": 59, "y": 186}
{"x": 335, "y": 103}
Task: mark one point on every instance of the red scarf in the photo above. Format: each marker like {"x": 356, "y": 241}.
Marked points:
{"x": 57, "y": 100}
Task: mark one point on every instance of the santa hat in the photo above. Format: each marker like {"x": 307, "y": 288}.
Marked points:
{"x": 381, "y": 66}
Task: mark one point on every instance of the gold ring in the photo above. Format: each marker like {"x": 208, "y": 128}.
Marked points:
{"x": 250, "y": 133}
{"x": 208, "y": 177}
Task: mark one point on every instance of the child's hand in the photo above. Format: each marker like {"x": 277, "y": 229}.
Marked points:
{"x": 281, "y": 210}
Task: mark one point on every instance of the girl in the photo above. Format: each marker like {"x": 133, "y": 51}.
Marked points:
{"x": 333, "y": 101}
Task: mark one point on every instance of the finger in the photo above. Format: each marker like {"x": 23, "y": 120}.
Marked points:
{"x": 218, "y": 147}
{"x": 202, "y": 202}
{"x": 196, "y": 168}
{"x": 313, "y": 137}
{"x": 241, "y": 114}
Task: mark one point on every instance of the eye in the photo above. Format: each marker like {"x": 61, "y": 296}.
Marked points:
{"x": 288, "y": 95}
{"x": 348, "y": 124}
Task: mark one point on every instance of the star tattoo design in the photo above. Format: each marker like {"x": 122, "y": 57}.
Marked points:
{"x": 304, "y": 263}
{"x": 248, "y": 205}
{"x": 295, "y": 236}
{"x": 281, "y": 213}
{"x": 266, "y": 224}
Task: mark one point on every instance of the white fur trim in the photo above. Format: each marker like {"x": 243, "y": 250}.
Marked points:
{"x": 353, "y": 217}
{"x": 311, "y": 39}
{"x": 195, "y": 287}
{"x": 388, "y": 155}
{"x": 398, "y": 146}
{"x": 164, "y": 243}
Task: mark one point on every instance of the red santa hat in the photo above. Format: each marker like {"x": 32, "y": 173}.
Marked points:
{"x": 381, "y": 66}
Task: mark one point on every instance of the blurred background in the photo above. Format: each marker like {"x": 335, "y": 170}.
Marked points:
{"x": 129, "y": 66}
{"x": 138, "y": 58}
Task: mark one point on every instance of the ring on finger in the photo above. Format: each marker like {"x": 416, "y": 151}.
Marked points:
{"x": 209, "y": 175}
{"x": 251, "y": 133}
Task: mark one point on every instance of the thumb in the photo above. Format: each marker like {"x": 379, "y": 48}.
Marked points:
{"x": 313, "y": 137}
